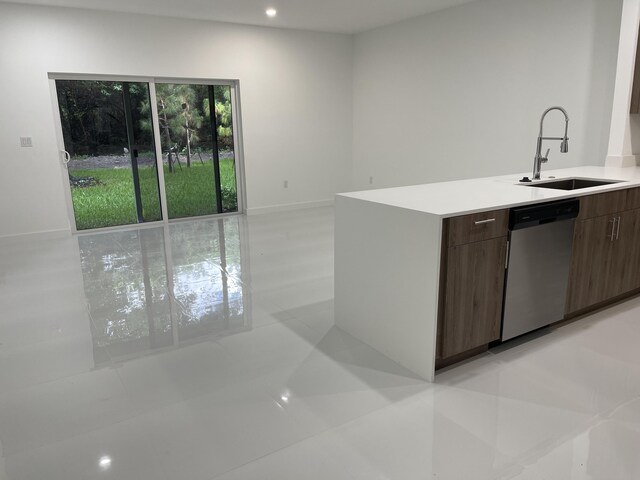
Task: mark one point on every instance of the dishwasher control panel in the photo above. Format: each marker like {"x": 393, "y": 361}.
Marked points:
{"x": 541, "y": 213}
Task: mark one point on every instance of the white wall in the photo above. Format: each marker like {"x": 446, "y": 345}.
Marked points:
{"x": 295, "y": 90}
{"x": 459, "y": 93}
{"x": 624, "y": 140}
{"x": 454, "y": 94}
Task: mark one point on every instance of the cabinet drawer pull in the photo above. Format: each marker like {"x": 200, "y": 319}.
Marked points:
{"x": 618, "y": 229}
{"x": 488, "y": 220}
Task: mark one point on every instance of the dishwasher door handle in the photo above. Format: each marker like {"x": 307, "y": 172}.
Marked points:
{"x": 506, "y": 257}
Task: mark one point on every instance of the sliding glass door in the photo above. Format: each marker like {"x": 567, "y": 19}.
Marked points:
{"x": 196, "y": 134}
{"x": 111, "y": 153}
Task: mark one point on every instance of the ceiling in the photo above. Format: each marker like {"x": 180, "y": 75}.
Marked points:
{"x": 342, "y": 16}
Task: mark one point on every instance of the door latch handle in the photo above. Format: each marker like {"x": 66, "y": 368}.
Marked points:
{"x": 66, "y": 157}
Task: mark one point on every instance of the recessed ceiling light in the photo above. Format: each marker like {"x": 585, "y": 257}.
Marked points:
{"x": 271, "y": 12}
{"x": 104, "y": 462}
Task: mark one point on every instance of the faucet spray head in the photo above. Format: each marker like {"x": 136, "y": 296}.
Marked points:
{"x": 564, "y": 146}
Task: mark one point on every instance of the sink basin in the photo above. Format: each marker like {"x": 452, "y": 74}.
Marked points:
{"x": 570, "y": 183}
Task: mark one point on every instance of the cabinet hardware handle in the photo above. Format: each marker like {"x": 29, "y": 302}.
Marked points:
{"x": 618, "y": 229}
{"x": 613, "y": 228}
{"x": 488, "y": 220}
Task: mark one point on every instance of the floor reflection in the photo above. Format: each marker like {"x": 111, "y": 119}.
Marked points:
{"x": 165, "y": 286}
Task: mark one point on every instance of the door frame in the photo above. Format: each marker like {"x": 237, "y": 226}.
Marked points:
{"x": 152, "y": 81}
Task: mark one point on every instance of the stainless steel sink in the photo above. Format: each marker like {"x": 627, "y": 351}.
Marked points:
{"x": 570, "y": 183}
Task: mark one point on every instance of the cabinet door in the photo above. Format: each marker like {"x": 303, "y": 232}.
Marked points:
{"x": 592, "y": 268}
{"x": 626, "y": 261}
{"x": 473, "y": 298}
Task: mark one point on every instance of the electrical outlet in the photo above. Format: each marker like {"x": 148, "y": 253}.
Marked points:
{"x": 26, "y": 142}
{"x": 370, "y": 180}
{"x": 286, "y": 184}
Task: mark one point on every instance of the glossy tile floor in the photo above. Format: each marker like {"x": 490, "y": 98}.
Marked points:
{"x": 207, "y": 351}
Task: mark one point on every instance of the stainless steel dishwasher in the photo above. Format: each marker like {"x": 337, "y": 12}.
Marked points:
{"x": 540, "y": 240}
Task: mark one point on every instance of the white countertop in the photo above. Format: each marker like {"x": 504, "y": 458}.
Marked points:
{"x": 448, "y": 199}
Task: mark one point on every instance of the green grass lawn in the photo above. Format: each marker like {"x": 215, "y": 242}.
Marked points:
{"x": 190, "y": 192}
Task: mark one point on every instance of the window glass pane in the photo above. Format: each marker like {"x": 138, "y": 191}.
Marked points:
{"x": 199, "y": 166}
{"x": 186, "y": 149}
{"x": 226, "y": 150}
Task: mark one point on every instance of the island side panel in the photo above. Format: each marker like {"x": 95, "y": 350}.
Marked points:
{"x": 387, "y": 266}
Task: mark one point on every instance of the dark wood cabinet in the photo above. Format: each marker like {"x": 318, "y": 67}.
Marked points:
{"x": 609, "y": 203}
{"x": 591, "y": 264}
{"x": 472, "y": 282}
{"x": 473, "y": 299}
{"x": 605, "y": 261}
{"x": 627, "y": 253}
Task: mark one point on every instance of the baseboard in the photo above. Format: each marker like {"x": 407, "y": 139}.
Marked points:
{"x": 598, "y": 306}
{"x": 46, "y": 234}
{"x": 285, "y": 207}
{"x": 622, "y": 161}
{"x": 446, "y": 362}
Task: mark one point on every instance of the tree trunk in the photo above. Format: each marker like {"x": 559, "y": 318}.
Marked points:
{"x": 167, "y": 135}
{"x": 188, "y": 146}
{"x": 188, "y": 131}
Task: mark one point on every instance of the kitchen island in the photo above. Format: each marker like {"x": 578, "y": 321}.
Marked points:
{"x": 389, "y": 249}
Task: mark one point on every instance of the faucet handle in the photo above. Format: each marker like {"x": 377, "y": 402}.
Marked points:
{"x": 545, "y": 158}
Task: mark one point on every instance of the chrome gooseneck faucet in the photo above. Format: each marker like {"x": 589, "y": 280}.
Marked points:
{"x": 564, "y": 142}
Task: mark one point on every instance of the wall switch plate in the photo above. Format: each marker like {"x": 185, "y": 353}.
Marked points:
{"x": 371, "y": 180}
{"x": 26, "y": 142}
{"x": 286, "y": 184}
